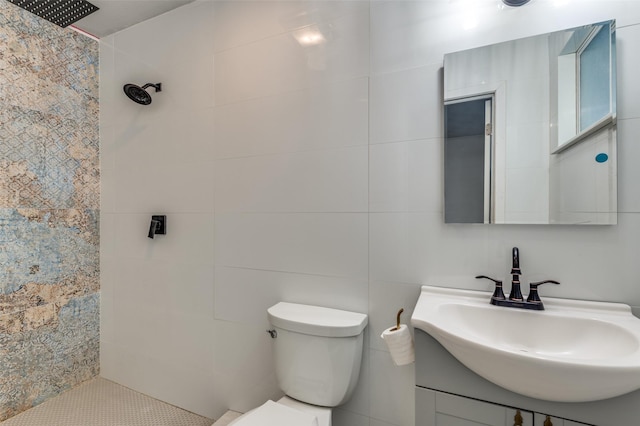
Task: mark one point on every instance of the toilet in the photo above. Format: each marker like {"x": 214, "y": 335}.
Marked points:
{"x": 318, "y": 352}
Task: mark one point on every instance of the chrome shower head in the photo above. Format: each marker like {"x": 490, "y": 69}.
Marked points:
{"x": 139, "y": 94}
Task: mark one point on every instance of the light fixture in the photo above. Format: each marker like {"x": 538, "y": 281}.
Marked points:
{"x": 310, "y": 36}
{"x": 515, "y": 3}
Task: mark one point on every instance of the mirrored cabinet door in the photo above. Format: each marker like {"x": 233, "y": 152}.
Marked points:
{"x": 531, "y": 130}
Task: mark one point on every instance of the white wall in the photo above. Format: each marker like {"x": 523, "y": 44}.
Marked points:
{"x": 312, "y": 175}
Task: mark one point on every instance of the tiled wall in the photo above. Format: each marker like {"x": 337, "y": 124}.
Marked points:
{"x": 312, "y": 174}
{"x": 49, "y": 208}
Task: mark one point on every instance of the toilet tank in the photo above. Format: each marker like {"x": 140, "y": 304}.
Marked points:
{"x": 317, "y": 351}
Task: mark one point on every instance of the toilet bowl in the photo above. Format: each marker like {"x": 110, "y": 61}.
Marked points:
{"x": 318, "y": 352}
{"x": 285, "y": 412}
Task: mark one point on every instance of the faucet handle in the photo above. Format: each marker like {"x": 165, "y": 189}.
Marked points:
{"x": 498, "y": 294}
{"x": 533, "y": 290}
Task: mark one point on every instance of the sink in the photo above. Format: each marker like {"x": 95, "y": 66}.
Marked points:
{"x": 573, "y": 351}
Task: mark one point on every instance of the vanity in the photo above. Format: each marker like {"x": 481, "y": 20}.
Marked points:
{"x": 529, "y": 138}
{"x": 574, "y": 363}
{"x": 530, "y": 134}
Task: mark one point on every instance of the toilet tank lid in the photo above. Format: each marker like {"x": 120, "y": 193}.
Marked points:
{"x": 316, "y": 320}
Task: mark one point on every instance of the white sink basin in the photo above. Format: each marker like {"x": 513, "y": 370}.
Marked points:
{"x": 574, "y": 351}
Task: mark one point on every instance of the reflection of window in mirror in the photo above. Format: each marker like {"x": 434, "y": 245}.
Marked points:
{"x": 586, "y": 94}
{"x": 594, "y": 76}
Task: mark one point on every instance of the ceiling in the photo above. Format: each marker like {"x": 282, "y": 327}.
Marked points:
{"x": 116, "y": 15}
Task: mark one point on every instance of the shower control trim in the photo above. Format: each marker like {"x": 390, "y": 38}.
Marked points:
{"x": 158, "y": 226}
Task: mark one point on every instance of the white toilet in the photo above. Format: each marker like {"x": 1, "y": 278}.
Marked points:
{"x": 318, "y": 353}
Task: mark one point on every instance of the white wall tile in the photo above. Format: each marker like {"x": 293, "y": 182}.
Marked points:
{"x": 331, "y": 180}
{"x": 425, "y": 251}
{"x": 406, "y": 176}
{"x": 149, "y": 138}
{"x": 321, "y": 117}
{"x": 360, "y": 401}
{"x": 195, "y": 390}
{"x": 177, "y": 188}
{"x": 376, "y": 422}
{"x": 333, "y": 244}
{"x": 403, "y": 105}
{"x": 243, "y": 295}
{"x": 107, "y": 236}
{"x": 413, "y": 33}
{"x": 418, "y": 248}
{"x": 628, "y": 170}
{"x": 171, "y": 287}
{"x": 144, "y": 330}
{"x": 342, "y": 417}
{"x": 626, "y": 41}
{"x": 181, "y": 61}
{"x": 399, "y": 35}
{"x": 108, "y": 84}
{"x": 189, "y": 238}
{"x": 385, "y": 300}
{"x": 243, "y": 358}
{"x": 107, "y": 300}
{"x": 238, "y": 23}
{"x": 392, "y": 390}
{"x": 284, "y": 65}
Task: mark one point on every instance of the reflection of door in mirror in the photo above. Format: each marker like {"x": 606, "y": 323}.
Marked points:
{"x": 468, "y": 156}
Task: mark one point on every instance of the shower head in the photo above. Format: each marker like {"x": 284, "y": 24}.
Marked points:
{"x": 59, "y": 12}
{"x": 139, "y": 94}
{"x": 515, "y": 3}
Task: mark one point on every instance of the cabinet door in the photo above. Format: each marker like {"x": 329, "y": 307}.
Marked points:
{"x": 443, "y": 409}
{"x": 454, "y": 410}
{"x": 513, "y": 414}
{"x": 540, "y": 419}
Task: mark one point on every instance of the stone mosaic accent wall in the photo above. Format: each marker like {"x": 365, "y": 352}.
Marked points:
{"x": 49, "y": 209}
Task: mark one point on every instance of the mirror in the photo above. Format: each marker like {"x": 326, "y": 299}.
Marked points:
{"x": 530, "y": 130}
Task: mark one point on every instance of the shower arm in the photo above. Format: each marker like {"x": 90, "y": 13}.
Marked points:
{"x": 157, "y": 86}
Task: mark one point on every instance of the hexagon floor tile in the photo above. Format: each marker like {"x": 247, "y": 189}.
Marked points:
{"x": 101, "y": 402}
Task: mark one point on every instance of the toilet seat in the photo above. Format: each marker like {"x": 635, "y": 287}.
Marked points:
{"x": 285, "y": 412}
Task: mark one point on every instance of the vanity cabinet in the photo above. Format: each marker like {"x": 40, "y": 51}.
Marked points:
{"x": 443, "y": 409}
{"x": 435, "y": 408}
{"x": 449, "y": 394}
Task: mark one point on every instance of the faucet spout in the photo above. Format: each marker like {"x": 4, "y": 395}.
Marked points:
{"x": 515, "y": 261}
{"x": 516, "y": 293}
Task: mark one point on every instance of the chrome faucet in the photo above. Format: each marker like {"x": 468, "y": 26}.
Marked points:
{"x": 515, "y": 299}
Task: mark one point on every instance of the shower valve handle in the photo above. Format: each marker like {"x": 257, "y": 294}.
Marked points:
{"x": 158, "y": 226}
{"x": 155, "y": 224}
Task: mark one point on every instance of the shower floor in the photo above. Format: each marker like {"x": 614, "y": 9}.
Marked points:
{"x": 101, "y": 402}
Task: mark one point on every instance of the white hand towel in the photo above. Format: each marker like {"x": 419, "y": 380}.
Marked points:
{"x": 400, "y": 344}
{"x": 272, "y": 413}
